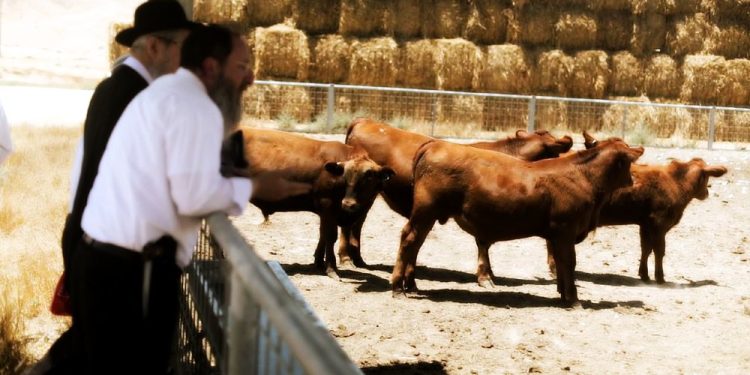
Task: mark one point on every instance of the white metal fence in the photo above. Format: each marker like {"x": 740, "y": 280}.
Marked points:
{"x": 329, "y": 107}
{"x": 241, "y": 315}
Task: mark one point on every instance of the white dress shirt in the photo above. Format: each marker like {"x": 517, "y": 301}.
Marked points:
{"x": 6, "y": 146}
{"x": 75, "y": 172}
{"x": 160, "y": 172}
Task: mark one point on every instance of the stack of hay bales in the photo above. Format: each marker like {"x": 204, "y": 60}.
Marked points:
{"x": 330, "y": 57}
{"x": 552, "y": 73}
{"x": 674, "y": 122}
{"x": 590, "y": 75}
{"x": 615, "y": 30}
{"x": 405, "y": 16}
{"x": 730, "y": 41}
{"x": 232, "y": 12}
{"x": 626, "y": 118}
{"x": 461, "y": 109}
{"x": 507, "y": 69}
{"x": 736, "y": 92}
{"x": 704, "y": 76}
{"x": 460, "y": 65}
{"x": 443, "y": 18}
{"x": 282, "y": 53}
{"x": 373, "y": 62}
{"x": 420, "y": 62}
{"x": 366, "y": 18}
{"x": 533, "y": 25}
{"x": 688, "y": 34}
{"x": 115, "y": 49}
{"x": 576, "y": 30}
{"x": 649, "y": 34}
{"x": 316, "y": 16}
{"x": 551, "y": 115}
{"x": 267, "y": 12}
{"x": 666, "y": 7}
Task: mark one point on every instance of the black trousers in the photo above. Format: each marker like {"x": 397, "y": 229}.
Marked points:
{"x": 107, "y": 295}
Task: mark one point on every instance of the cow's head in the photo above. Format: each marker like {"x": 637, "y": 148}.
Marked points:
{"x": 542, "y": 145}
{"x": 614, "y": 157}
{"x": 363, "y": 179}
{"x": 694, "y": 175}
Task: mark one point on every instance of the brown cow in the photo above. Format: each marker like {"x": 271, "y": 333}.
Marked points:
{"x": 390, "y": 146}
{"x": 344, "y": 181}
{"x": 496, "y": 197}
{"x": 655, "y": 202}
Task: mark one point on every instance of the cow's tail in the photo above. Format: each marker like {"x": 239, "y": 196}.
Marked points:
{"x": 418, "y": 157}
{"x": 351, "y": 126}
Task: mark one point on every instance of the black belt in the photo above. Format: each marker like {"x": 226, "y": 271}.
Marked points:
{"x": 111, "y": 249}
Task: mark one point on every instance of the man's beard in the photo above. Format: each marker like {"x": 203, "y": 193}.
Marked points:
{"x": 229, "y": 101}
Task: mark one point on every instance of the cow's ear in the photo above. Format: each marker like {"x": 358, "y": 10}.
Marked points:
{"x": 561, "y": 145}
{"x": 336, "y": 169}
{"x": 715, "y": 171}
{"x": 520, "y": 133}
{"x": 588, "y": 140}
{"x": 386, "y": 174}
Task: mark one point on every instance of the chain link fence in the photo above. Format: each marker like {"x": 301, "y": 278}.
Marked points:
{"x": 321, "y": 108}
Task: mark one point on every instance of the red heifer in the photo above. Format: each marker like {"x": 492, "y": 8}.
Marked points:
{"x": 656, "y": 202}
{"x": 344, "y": 181}
{"x": 496, "y": 197}
{"x": 390, "y": 146}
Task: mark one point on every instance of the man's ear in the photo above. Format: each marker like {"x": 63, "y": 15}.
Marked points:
{"x": 211, "y": 69}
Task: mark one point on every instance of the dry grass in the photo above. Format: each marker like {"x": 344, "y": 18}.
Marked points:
{"x": 34, "y": 195}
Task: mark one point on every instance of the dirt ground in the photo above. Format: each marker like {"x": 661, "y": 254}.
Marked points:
{"x": 699, "y": 322}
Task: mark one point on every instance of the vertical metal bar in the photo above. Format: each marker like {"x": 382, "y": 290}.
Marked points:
{"x": 433, "y": 114}
{"x": 711, "y": 127}
{"x": 624, "y": 121}
{"x": 329, "y": 107}
{"x": 242, "y": 330}
{"x": 532, "y": 114}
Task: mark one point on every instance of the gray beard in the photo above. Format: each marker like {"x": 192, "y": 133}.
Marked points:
{"x": 229, "y": 101}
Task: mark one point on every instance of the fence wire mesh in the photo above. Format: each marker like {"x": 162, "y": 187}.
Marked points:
{"x": 320, "y": 108}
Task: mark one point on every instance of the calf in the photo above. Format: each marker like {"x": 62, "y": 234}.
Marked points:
{"x": 496, "y": 197}
{"x": 344, "y": 181}
{"x": 655, "y": 202}
{"x": 390, "y": 146}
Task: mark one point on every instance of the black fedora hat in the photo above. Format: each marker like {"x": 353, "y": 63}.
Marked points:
{"x": 152, "y": 16}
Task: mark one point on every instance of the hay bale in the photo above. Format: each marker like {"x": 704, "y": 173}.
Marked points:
{"x": 699, "y": 128}
{"x": 730, "y": 41}
{"x": 366, "y": 18}
{"x": 487, "y": 21}
{"x": 662, "y": 77}
{"x": 317, "y": 16}
{"x": 736, "y": 91}
{"x": 281, "y": 52}
{"x": 552, "y": 72}
{"x": 590, "y": 74}
{"x": 704, "y": 75}
{"x": 627, "y": 74}
{"x": 117, "y": 50}
{"x": 666, "y": 7}
{"x": 228, "y": 12}
{"x": 460, "y": 64}
{"x": 444, "y": 18}
{"x": 506, "y": 69}
{"x": 551, "y": 115}
{"x": 420, "y": 65}
{"x": 461, "y": 110}
{"x": 267, "y": 12}
{"x": 585, "y": 116}
{"x": 649, "y": 33}
{"x": 627, "y": 118}
{"x": 737, "y": 10}
{"x": 373, "y": 62}
{"x": 610, "y": 5}
{"x": 271, "y": 102}
{"x": 740, "y": 127}
{"x": 687, "y": 34}
{"x": 576, "y": 30}
{"x": 405, "y": 18}
{"x": 330, "y": 59}
{"x": 615, "y": 30}
{"x": 535, "y": 26}
{"x": 674, "y": 122}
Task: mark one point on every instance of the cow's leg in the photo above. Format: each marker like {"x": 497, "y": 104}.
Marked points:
{"x": 565, "y": 261}
{"x": 551, "y": 260}
{"x": 345, "y": 236}
{"x": 349, "y": 245}
{"x": 412, "y": 237}
{"x": 659, "y": 249}
{"x": 647, "y": 246}
{"x": 328, "y": 231}
{"x": 484, "y": 268}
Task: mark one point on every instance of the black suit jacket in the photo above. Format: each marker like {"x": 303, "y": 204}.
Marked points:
{"x": 108, "y": 102}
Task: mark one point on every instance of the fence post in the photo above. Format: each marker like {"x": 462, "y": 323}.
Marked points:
{"x": 532, "y": 115}
{"x": 711, "y": 127}
{"x": 329, "y": 108}
{"x": 624, "y": 120}
{"x": 242, "y": 330}
{"x": 433, "y": 114}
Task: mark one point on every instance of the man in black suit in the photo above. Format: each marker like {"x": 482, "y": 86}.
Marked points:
{"x": 159, "y": 28}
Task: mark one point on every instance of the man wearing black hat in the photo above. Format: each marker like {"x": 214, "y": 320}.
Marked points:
{"x": 159, "y": 28}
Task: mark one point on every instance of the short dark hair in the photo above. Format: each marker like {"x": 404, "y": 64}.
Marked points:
{"x": 206, "y": 41}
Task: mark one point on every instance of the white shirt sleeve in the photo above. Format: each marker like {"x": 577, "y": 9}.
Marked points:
{"x": 6, "y": 146}
{"x": 193, "y": 149}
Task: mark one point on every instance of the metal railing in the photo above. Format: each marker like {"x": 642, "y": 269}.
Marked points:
{"x": 241, "y": 315}
{"x": 329, "y": 107}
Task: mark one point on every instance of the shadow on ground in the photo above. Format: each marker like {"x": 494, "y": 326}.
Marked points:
{"x": 419, "y": 368}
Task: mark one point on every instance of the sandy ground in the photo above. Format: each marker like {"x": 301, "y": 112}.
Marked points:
{"x": 698, "y": 322}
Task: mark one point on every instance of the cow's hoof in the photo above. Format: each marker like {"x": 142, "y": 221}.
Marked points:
{"x": 660, "y": 281}
{"x": 332, "y": 274}
{"x": 487, "y": 283}
{"x": 645, "y": 278}
{"x": 399, "y": 294}
{"x": 575, "y": 305}
{"x": 346, "y": 263}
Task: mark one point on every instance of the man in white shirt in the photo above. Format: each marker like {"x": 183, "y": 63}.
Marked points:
{"x": 158, "y": 177}
{"x": 6, "y": 146}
